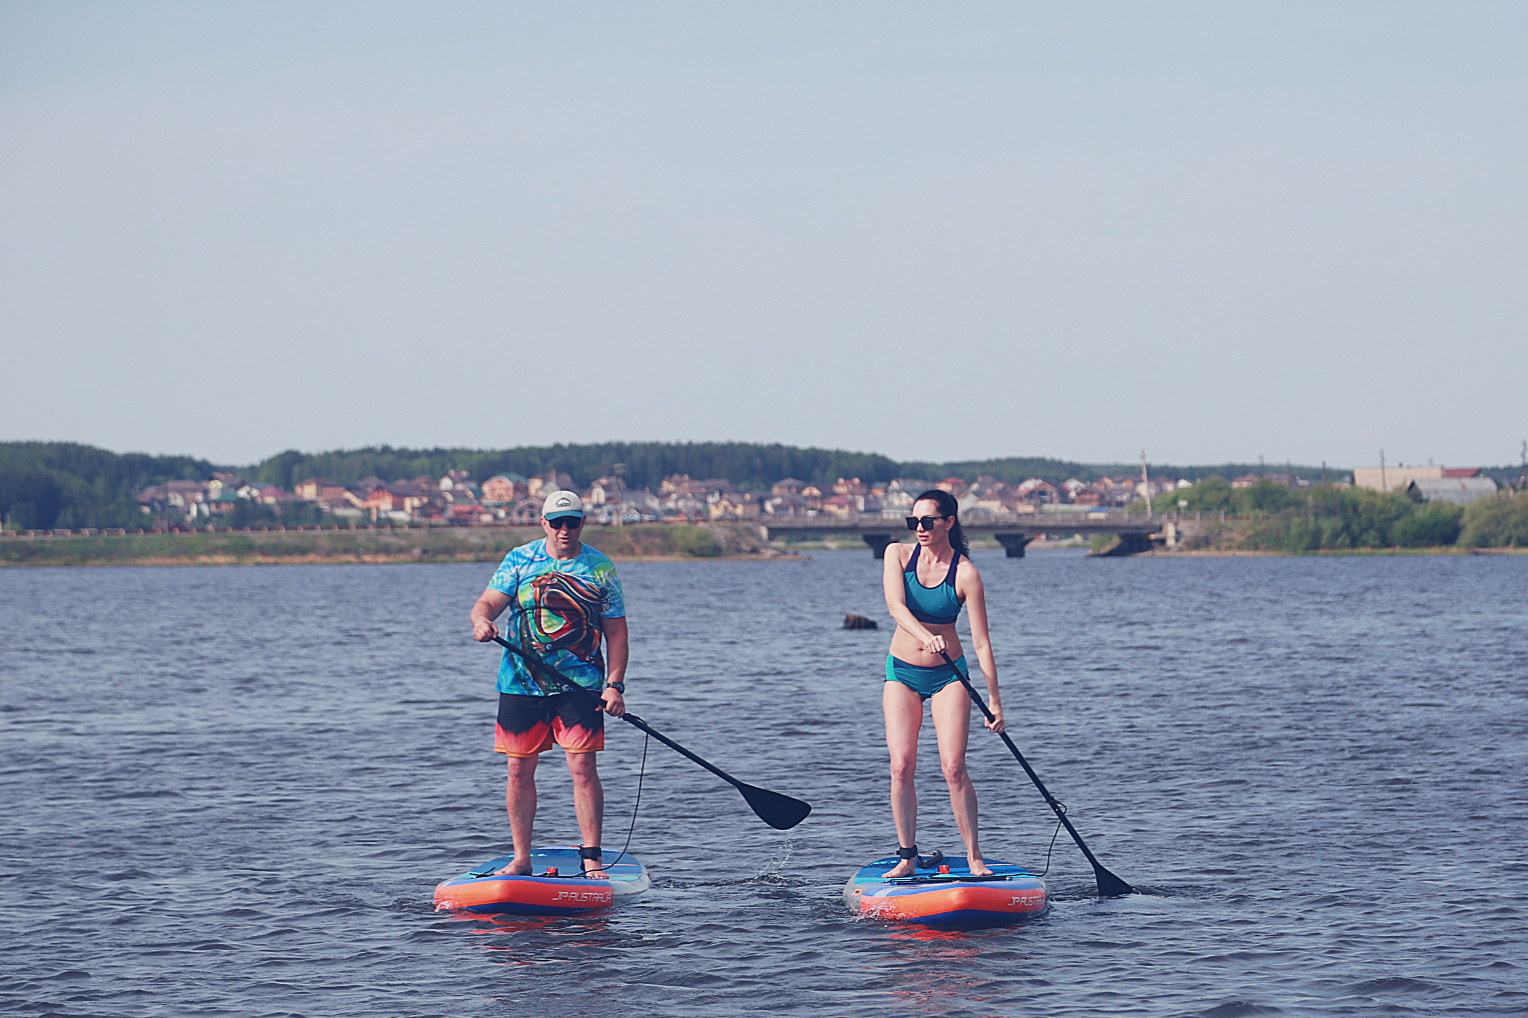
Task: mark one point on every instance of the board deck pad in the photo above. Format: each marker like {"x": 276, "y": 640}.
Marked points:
{"x": 954, "y": 898}
{"x": 480, "y": 890}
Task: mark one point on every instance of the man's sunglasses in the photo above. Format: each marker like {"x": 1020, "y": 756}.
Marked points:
{"x": 926, "y": 522}
{"x": 570, "y": 522}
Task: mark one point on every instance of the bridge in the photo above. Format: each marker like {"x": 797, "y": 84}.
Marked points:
{"x": 1014, "y": 531}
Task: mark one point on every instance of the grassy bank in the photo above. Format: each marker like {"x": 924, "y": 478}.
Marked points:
{"x": 368, "y": 546}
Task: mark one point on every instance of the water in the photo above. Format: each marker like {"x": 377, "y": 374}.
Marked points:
{"x": 230, "y": 791}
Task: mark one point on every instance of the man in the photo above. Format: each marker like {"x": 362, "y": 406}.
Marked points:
{"x": 564, "y": 599}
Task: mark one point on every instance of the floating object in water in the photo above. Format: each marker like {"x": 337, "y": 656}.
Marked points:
{"x": 946, "y": 894}
{"x": 555, "y": 886}
{"x": 859, "y": 622}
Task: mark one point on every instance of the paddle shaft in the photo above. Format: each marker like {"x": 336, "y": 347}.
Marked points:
{"x": 1105, "y": 879}
{"x": 546, "y": 671}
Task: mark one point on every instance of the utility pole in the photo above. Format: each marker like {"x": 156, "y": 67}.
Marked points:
{"x": 1145, "y": 482}
{"x": 1382, "y": 485}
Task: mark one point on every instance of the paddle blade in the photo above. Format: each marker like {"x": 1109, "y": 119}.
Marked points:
{"x": 778, "y": 811}
{"x": 1109, "y": 885}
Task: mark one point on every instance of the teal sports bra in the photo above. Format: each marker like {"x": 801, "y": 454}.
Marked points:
{"x": 939, "y": 605}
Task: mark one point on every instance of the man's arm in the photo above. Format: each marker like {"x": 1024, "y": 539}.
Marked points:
{"x": 617, "y": 650}
{"x": 489, "y": 607}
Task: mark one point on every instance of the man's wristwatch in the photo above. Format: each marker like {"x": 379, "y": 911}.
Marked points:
{"x": 619, "y": 687}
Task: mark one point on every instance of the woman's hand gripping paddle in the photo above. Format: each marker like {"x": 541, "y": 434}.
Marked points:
{"x": 778, "y": 811}
{"x": 1109, "y": 885}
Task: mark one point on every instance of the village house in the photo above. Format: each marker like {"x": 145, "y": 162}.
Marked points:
{"x": 604, "y": 490}
{"x": 1460, "y": 487}
{"x": 787, "y": 505}
{"x": 505, "y": 489}
{"x": 787, "y": 486}
{"x": 1038, "y": 491}
{"x": 735, "y": 506}
{"x": 850, "y": 486}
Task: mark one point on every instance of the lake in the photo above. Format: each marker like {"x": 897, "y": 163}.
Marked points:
{"x": 230, "y": 791}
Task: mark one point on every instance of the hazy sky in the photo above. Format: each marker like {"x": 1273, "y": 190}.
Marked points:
{"x": 936, "y": 230}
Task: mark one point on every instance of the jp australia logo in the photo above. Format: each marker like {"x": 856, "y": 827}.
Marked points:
{"x": 604, "y": 895}
{"x": 1026, "y": 900}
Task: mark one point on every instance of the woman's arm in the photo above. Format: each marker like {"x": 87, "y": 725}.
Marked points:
{"x": 896, "y": 599}
{"x": 968, "y": 584}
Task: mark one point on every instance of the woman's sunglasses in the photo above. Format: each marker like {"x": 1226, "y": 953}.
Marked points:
{"x": 926, "y": 522}
{"x": 571, "y": 522}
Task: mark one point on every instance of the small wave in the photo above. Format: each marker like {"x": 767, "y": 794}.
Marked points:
{"x": 1394, "y": 984}
{"x": 1237, "y": 1009}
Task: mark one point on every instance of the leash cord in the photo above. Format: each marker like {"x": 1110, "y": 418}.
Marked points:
{"x": 1054, "y": 835}
{"x": 641, "y": 773}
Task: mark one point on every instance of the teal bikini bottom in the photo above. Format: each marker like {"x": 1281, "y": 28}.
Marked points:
{"x": 923, "y": 681}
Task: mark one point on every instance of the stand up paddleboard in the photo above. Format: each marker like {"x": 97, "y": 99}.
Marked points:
{"x": 556, "y": 885}
{"x": 944, "y": 893}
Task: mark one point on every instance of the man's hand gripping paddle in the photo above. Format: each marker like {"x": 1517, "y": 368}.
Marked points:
{"x": 1109, "y": 885}
{"x": 778, "y": 811}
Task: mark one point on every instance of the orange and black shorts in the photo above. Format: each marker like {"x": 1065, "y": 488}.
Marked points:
{"x": 532, "y": 724}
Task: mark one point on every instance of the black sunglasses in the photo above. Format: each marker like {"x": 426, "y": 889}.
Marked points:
{"x": 926, "y": 522}
{"x": 571, "y": 522}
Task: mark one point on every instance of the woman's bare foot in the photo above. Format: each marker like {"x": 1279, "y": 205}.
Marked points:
{"x": 977, "y": 867}
{"x": 903, "y": 868}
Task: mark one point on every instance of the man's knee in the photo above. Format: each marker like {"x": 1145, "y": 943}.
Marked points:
{"x": 522, "y": 769}
{"x": 583, "y": 766}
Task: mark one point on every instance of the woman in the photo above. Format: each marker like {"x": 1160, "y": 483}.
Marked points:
{"x": 926, "y": 586}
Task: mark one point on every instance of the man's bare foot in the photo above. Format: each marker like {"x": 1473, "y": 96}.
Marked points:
{"x": 594, "y": 869}
{"x": 977, "y": 867}
{"x": 518, "y": 867}
{"x": 903, "y": 868}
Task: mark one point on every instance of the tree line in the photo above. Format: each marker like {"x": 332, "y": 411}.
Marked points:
{"x": 1328, "y": 518}
{"x": 70, "y": 485}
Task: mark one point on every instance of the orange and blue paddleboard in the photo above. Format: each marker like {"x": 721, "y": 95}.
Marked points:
{"x": 556, "y": 885}
{"x": 947, "y": 894}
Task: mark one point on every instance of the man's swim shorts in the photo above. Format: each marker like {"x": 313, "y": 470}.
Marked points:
{"x": 532, "y": 724}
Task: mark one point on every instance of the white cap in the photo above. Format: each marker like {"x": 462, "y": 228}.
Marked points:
{"x": 562, "y": 503}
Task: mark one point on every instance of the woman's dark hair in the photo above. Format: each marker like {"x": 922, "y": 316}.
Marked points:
{"x": 948, "y": 507}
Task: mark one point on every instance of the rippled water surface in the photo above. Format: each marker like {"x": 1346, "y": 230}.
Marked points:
{"x": 231, "y": 791}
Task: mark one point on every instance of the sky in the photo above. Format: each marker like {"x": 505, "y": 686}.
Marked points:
{"x": 1206, "y": 231}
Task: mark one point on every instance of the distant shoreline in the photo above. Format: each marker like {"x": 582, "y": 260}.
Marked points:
{"x": 360, "y": 546}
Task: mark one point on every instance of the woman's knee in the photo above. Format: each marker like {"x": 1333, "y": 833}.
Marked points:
{"x": 955, "y": 773}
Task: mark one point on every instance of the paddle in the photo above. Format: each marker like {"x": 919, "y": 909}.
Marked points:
{"x": 778, "y": 811}
{"x": 1109, "y": 885}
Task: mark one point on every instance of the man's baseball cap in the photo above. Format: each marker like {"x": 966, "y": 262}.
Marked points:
{"x": 562, "y": 503}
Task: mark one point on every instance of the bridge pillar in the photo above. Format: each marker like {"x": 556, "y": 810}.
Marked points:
{"x": 877, "y": 542}
{"x": 1014, "y": 544}
{"x": 1128, "y": 544}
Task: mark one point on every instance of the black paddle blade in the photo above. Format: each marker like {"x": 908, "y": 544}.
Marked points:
{"x": 1109, "y": 885}
{"x": 778, "y": 811}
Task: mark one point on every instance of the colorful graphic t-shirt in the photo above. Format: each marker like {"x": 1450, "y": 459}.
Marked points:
{"x": 556, "y": 605}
